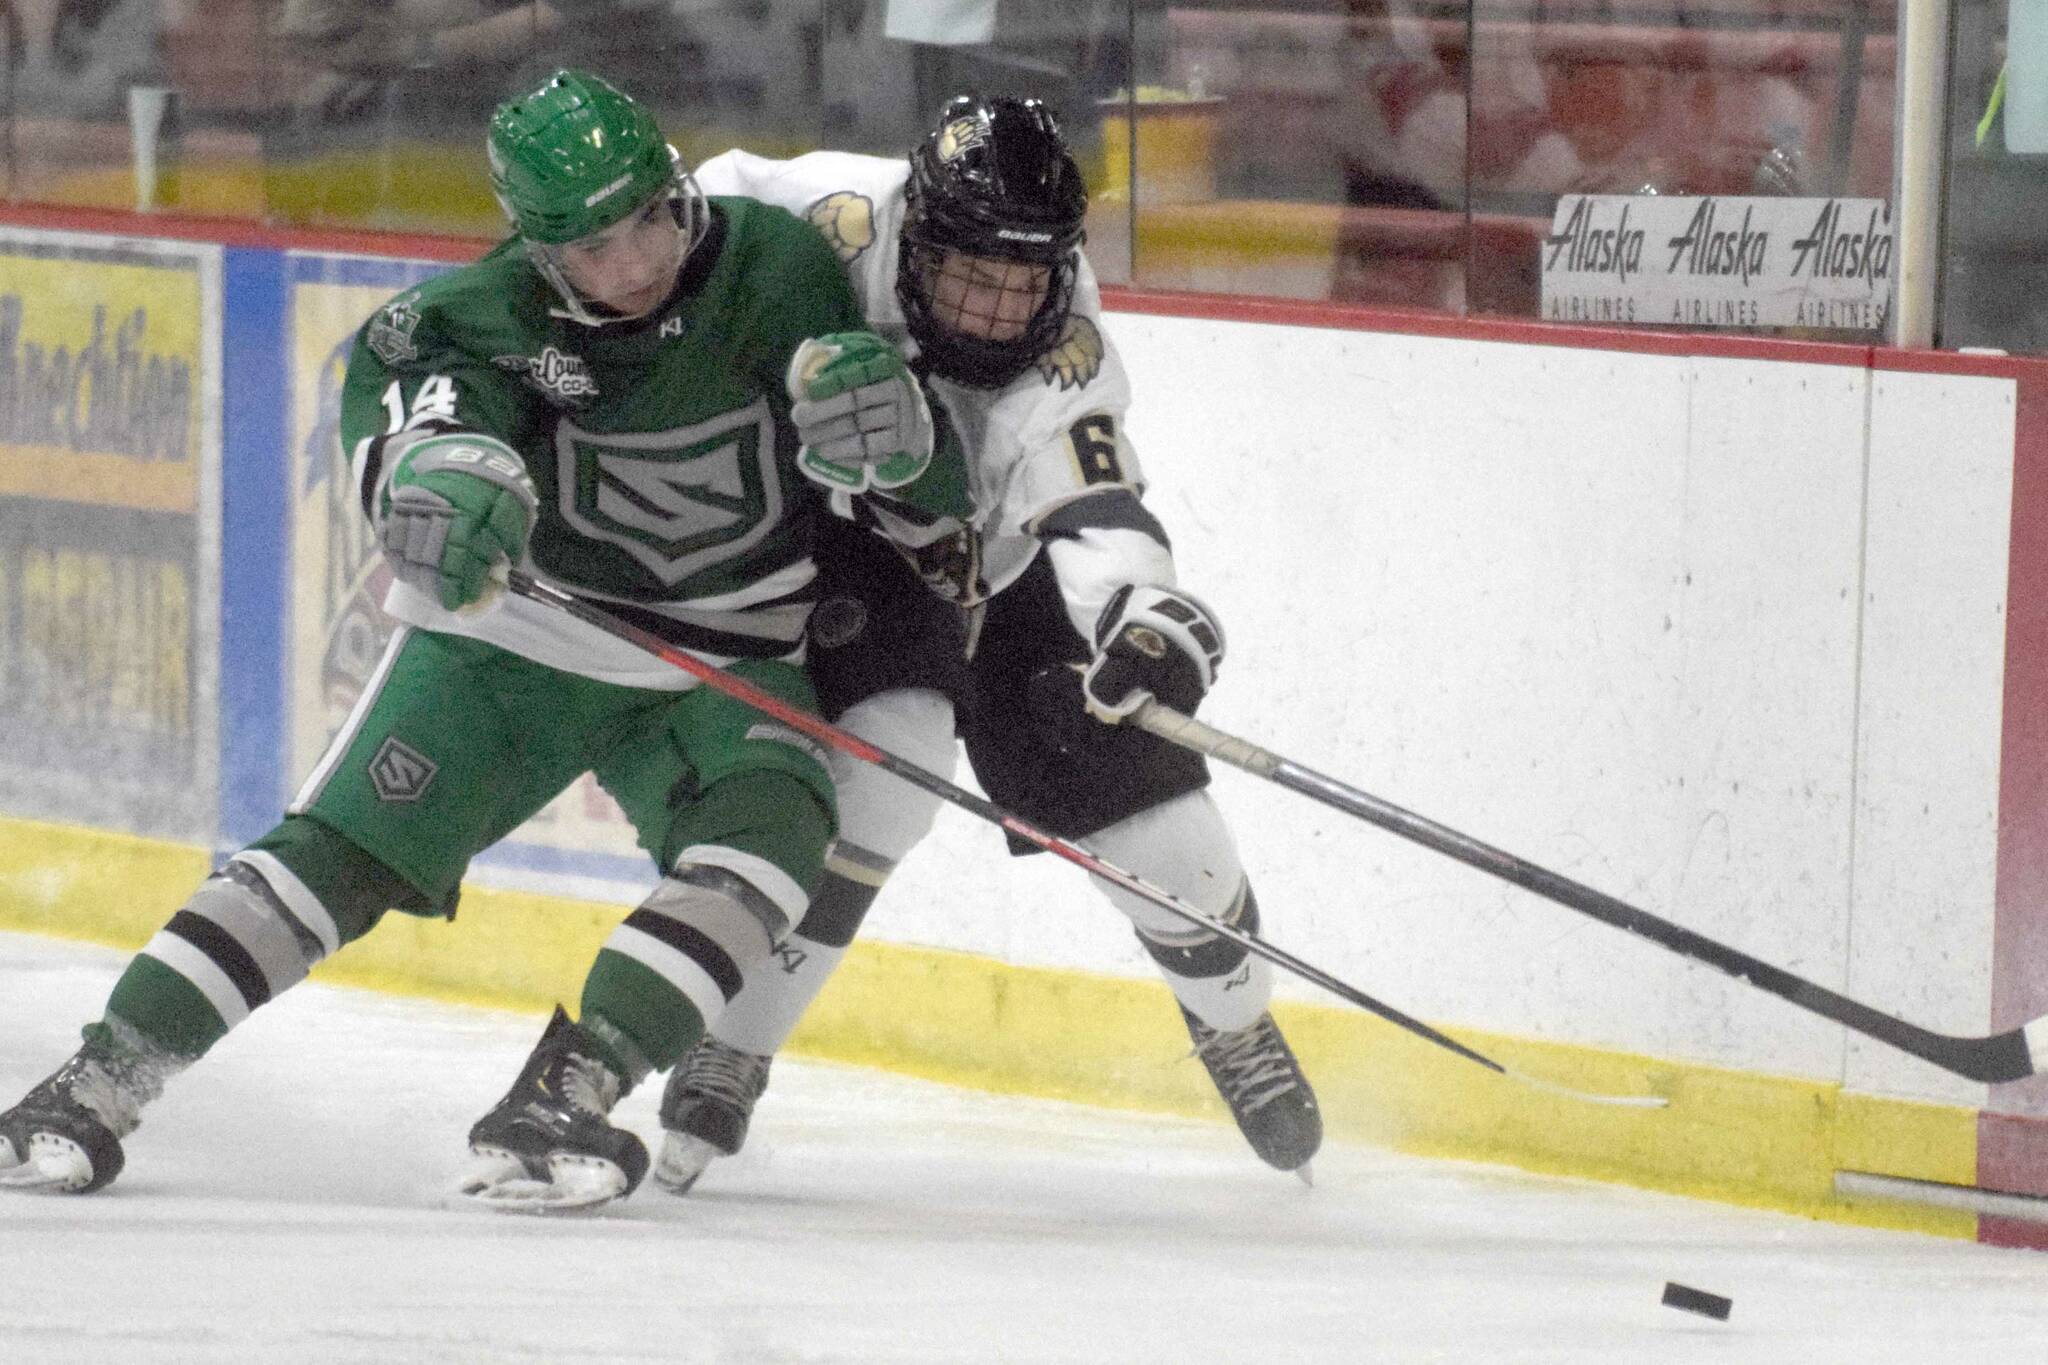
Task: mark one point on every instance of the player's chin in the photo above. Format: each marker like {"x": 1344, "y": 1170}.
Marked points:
{"x": 994, "y": 330}
{"x": 634, "y": 303}
{"x": 637, "y": 304}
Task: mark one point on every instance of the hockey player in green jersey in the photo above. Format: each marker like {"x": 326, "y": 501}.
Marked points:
{"x": 601, "y": 400}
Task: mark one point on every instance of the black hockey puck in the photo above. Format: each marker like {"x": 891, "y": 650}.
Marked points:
{"x": 1692, "y": 1300}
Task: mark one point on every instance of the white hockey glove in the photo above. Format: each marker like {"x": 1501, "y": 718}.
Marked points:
{"x": 860, "y": 413}
{"x": 1151, "y": 642}
{"x": 453, "y": 509}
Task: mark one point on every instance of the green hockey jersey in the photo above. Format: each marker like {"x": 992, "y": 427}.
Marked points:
{"x": 661, "y": 448}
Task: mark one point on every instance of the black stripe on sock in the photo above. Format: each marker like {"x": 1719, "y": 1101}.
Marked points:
{"x": 1211, "y": 957}
{"x": 694, "y": 944}
{"x": 248, "y": 878}
{"x": 837, "y": 910}
{"x": 228, "y": 955}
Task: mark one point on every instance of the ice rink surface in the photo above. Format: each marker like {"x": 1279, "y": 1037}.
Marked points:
{"x": 286, "y": 1201}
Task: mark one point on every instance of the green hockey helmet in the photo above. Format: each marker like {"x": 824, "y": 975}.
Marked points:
{"x": 574, "y": 157}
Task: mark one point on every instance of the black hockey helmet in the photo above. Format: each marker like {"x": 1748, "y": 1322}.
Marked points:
{"x": 992, "y": 181}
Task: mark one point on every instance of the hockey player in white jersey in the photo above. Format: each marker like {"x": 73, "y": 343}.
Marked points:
{"x": 1047, "y": 621}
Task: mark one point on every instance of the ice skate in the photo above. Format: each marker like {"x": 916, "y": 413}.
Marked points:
{"x": 709, "y": 1099}
{"x": 1259, "y": 1079}
{"x": 547, "y": 1147}
{"x": 65, "y": 1135}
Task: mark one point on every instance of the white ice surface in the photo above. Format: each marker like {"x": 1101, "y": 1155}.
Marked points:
{"x": 284, "y": 1202}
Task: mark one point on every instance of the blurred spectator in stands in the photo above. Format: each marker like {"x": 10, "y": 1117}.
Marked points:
{"x": 1698, "y": 109}
{"x": 358, "y": 48}
{"x": 362, "y": 48}
{"x": 1410, "y": 139}
{"x": 1389, "y": 151}
{"x": 77, "y": 57}
{"x": 1783, "y": 167}
{"x": 1067, "y": 54}
{"x": 1441, "y": 116}
{"x": 1686, "y": 108}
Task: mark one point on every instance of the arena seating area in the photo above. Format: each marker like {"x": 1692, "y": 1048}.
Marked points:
{"x": 1381, "y": 151}
{"x": 1345, "y": 155}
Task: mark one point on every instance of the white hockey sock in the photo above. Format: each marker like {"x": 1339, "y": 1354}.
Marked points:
{"x": 761, "y": 1017}
{"x": 1225, "y": 1003}
{"x": 1184, "y": 846}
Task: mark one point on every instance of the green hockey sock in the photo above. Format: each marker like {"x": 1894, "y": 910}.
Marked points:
{"x": 643, "y": 1022}
{"x": 165, "y": 1008}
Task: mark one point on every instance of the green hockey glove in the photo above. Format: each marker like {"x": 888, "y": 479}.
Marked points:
{"x": 453, "y": 509}
{"x": 860, "y": 413}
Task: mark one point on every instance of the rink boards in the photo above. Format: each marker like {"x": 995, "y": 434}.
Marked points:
{"x": 1746, "y": 632}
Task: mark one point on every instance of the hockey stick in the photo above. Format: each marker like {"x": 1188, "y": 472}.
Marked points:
{"x": 524, "y": 585}
{"x": 2007, "y": 1056}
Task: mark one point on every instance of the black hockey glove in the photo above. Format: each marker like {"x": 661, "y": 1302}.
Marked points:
{"x": 1151, "y": 642}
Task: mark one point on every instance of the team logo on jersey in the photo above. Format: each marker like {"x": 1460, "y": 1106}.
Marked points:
{"x": 564, "y": 378}
{"x": 401, "y": 773}
{"x": 1076, "y": 357}
{"x": 848, "y": 222}
{"x": 838, "y": 622}
{"x": 677, "y": 501}
{"x": 960, "y": 136}
{"x": 390, "y": 332}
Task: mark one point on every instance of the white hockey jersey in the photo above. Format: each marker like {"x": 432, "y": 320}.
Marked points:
{"x": 1036, "y": 448}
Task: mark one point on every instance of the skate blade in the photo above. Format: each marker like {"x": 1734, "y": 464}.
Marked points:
{"x": 499, "y": 1181}
{"x": 55, "y": 1165}
{"x": 683, "y": 1159}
